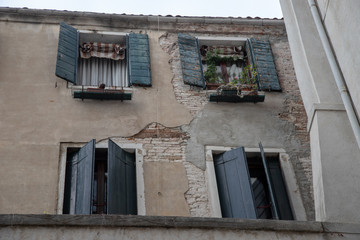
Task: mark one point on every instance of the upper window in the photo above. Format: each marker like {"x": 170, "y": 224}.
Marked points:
{"x": 103, "y": 59}
{"x": 224, "y": 60}
{"x": 100, "y": 180}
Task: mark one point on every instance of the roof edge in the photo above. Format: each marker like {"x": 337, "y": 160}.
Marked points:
{"x": 52, "y": 16}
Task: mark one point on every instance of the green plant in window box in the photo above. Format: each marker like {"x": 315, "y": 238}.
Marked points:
{"x": 211, "y": 76}
{"x": 245, "y": 84}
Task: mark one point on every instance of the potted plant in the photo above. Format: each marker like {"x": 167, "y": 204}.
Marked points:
{"x": 248, "y": 80}
{"x": 211, "y": 76}
{"x": 245, "y": 84}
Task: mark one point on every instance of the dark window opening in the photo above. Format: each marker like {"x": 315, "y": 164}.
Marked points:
{"x": 260, "y": 189}
{"x": 246, "y": 189}
{"x": 100, "y": 180}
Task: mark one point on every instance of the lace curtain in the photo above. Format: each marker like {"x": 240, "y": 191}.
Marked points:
{"x": 102, "y": 63}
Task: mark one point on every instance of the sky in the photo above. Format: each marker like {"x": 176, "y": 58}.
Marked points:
{"x": 213, "y": 8}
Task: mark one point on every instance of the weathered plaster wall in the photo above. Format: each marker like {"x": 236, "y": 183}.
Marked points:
{"x": 38, "y": 112}
{"x": 279, "y": 122}
{"x": 173, "y": 121}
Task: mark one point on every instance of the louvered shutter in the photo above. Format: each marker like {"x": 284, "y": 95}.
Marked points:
{"x": 279, "y": 188}
{"x": 260, "y": 55}
{"x": 138, "y": 59}
{"x": 190, "y": 60}
{"x": 274, "y": 205}
{"x": 121, "y": 186}
{"x": 80, "y": 175}
{"x": 67, "y": 57}
{"x": 233, "y": 181}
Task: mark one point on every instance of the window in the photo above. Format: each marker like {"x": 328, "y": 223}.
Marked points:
{"x": 244, "y": 51}
{"x": 252, "y": 184}
{"x": 100, "y": 180}
{"x": 222, "y": 64}
{"x": 95, "y": 58}
{"x": 102, "y": 60}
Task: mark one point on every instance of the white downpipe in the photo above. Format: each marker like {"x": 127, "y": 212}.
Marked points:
{"x": 340, "y": 82}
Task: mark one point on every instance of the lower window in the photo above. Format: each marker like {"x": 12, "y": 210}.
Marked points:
{"x": 251, "y": 186}
{"x": 100, "y": 180}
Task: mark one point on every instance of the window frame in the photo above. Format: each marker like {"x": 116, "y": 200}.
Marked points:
{"x": 221, "y": 41}
{"x": 130, "y": 147}
{"x": 287, "y": 170}
{"x": 259, "y": 55}
{"x": 138, "y": 62}
{"x": 100, "y": 36}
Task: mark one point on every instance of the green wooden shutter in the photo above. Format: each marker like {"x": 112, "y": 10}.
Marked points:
{"x": 67, "y": 57}
{"x": 191, "y": 60}
{"x": 233, "y": 181}
{"x": 121, "y": 185}
{"x": 138, "y": 59}
{"x": 260, "y": 55}
{"x": 274, "y": 206}
{"x": 79, "y": 180}
{"x": 279, "y": 188}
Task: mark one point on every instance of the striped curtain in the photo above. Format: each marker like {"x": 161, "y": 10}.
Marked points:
{"x": 102, "y": 50}
{"x": 95, "y": 71}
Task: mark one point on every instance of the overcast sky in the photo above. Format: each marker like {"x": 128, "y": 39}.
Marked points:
{"x": 214, "y": 8}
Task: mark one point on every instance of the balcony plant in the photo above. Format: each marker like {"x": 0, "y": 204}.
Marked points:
{"x": 248, "y": 78}
{"x": 245, "y": 84}
{"x": 212, "y": 78}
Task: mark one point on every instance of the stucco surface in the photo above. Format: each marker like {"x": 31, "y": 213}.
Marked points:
{"x": 172, "y": 121}
{"x": 338, "y": 168}
{"x": 334, "y": 152}
{"x": 165, "y": 187}
{"x": 38, "y": 112}
{"x": 342, "y": 25}
{"x": 148, "y": 233}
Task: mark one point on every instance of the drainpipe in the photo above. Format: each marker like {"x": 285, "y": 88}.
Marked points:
{"x": 339, "y": 79}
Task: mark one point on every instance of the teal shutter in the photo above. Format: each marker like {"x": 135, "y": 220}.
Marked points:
{"x": 274, "y": 206}
{"x": 79, "y": 180}
{"x": 260, "y": 55}
{"x": 67, "y": 57}
{"x": 279, "y": 188}
{"x": 233, "y": 181}
{"x": 121, "y": 186}
{"x": 138, "y": 59}
{"x": 191, "y": 60}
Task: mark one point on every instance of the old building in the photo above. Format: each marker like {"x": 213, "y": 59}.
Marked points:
{"x": 113, "y": 115}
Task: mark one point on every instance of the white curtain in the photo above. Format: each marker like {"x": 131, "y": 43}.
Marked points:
{"x": 95, "y": 71}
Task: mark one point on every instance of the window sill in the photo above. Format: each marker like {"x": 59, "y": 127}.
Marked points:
{"x": 102, "y": 94}
{"x": 260, "y": 97}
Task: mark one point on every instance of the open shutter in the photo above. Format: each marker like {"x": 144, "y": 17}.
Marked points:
{"x": 279, "y": 188}
{"x": 121, "y": 186}
{"x": 67, "y": 57}
{"x": 138, "y": 59}
{"x": 260, "y": 55}
{"x": 80, "y": 170}
{"x": 191, "y": 60}
{"x": 274, "y": 206}
{"x": 233, "y": 181}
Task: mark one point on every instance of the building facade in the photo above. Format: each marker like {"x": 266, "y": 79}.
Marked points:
{"x": 138, "y": 132}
